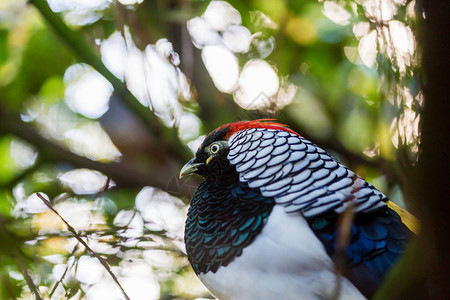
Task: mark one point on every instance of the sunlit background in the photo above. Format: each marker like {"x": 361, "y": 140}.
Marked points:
{"x": 101, "y": 130}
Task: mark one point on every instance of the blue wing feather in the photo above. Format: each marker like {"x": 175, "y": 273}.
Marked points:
{"x": 378, "y": 239}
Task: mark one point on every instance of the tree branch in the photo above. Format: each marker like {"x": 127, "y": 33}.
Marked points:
{"x": 425, "y": 266}
{"x": 124, "y": 175}
{"x": 433, "y": 189}
{"x": 80, "y": 48}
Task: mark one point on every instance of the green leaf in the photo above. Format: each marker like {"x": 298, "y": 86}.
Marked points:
{"x": 8, "y": 169}
{"x": 3, "y": 45}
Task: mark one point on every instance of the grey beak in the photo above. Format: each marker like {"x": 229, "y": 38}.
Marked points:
{"x": 190, "y": 167}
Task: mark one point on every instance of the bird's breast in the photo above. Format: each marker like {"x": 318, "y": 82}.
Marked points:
{"x": 285, "y": 261}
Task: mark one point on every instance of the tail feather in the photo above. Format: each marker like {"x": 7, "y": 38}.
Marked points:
{"x": 408, "y": 219}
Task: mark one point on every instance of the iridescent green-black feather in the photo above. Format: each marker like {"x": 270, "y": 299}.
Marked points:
{"x": 223, "y": 219}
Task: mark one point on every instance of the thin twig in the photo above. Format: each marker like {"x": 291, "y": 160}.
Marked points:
{"x": 342, "y": 242}
{"x": 26, "y": 275}
{"x": 15, "y": 253}
{"x": 73, "y": 231}
{"x": 64, "y": 274}
{"x": 344, "y": 236}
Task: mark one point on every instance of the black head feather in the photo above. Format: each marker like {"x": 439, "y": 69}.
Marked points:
{"x": 215, "y": 165}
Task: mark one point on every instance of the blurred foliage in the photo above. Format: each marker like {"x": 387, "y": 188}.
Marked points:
{"x": 105, "y": 142}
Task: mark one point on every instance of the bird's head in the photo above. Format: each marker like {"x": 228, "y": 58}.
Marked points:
{"x": 211, "y": 157}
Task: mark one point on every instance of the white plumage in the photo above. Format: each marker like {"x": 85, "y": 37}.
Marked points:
{"x": 286, "y": 261}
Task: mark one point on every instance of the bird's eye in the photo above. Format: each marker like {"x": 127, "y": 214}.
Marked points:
{"x": 214, "y": 148}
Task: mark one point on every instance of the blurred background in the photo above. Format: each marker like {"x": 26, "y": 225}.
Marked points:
{"x": 102, "y": 102}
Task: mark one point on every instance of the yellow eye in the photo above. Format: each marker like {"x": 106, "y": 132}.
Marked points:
{"x": 214, "y": 148}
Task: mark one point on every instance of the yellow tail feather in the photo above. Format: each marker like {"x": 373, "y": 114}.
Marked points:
{"x": 408, "y": 219}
